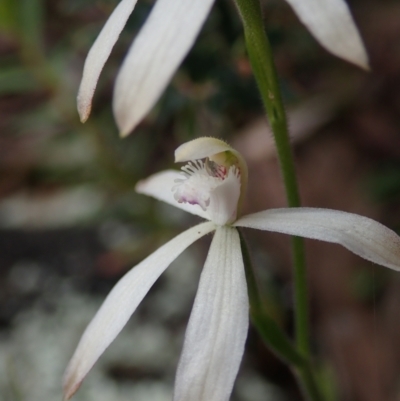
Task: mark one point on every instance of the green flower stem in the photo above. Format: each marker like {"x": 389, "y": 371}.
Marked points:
{"x": 265, "y": 325}
{"x": 260, "y": 55}
{"x": 272, "y": 334}
{"x": 308, "y": 384}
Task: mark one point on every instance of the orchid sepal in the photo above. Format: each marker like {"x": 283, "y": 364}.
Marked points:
{"x": 332, "y": 25}
{"x": 156, "y": 53}
{"x": 98, "y": 55}
{"x": 121, "y": 302}
{"x": 218, "y": 324}
{"x": 361, "y": 235}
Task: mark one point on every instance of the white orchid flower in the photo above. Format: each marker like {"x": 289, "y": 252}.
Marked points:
{"x": 211, "y": 186}
{"x": 167, "y": 36}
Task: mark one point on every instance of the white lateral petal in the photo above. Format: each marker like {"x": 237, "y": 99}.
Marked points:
{"x": 121, "y": 303}
{"x": 154, "y": 56}
{"x": 99, "y": 53}
{"x": 217, "y": 329}
{"x": 160, "y": 186}
{"x": 331, "y": 23}
{"x": 361, "y": 235}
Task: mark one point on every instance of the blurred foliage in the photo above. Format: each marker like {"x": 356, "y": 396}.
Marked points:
{"x": 369, "y": 284}
{"x": 45, "y": 150}
{"x": 44, "y": 147}
{"x": 384, "y": 183}
{"x": 43, "y": 45}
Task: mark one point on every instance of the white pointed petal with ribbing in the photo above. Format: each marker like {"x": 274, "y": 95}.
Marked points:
{"x": 332, "y": 24}
{"x": 121, "y": 303}
{"x": 217, "y": 329}
{"x": 361, "y": 235}
{"x": 99, "y": 53}
{"x": 160, "y": 186}
{"x": 154, "y": 56}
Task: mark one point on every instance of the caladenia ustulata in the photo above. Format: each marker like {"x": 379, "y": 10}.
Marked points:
{"x": 212, "y": 185}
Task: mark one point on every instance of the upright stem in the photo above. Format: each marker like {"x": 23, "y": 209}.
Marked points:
{"x": 260, "y": 55}
{"x": 265, "y": 325}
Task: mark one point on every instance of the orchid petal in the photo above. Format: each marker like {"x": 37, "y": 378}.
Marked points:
{"x": 331, "y": 23}
{"x": 217, "y": 328}
{"x": 160, "y": 186}
{"x": 154, "y": 56}
{"x": 361, "y": 235}
{"x": 99, "y": 53}
{"x": 121, "y": 303}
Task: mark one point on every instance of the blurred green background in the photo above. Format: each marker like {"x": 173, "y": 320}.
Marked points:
{"x": 71, "y": 223}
